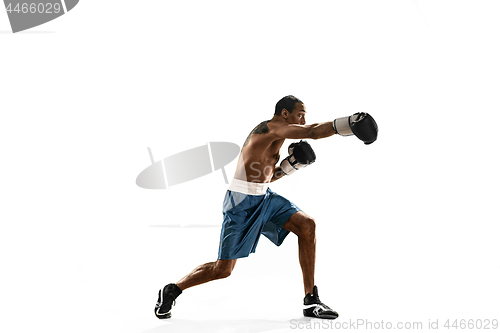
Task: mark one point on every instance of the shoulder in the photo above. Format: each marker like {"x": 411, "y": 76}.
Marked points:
{"x": 258, "y": 132}
{"x": 261, "y": 128}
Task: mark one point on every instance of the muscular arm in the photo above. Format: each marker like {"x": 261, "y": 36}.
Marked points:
{"x": 313, "y": 131}
{"x": 322, "y": 130}
{"x": 277, "y": 173}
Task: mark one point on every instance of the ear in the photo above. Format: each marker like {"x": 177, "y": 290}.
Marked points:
{"x": 284, "y": 113}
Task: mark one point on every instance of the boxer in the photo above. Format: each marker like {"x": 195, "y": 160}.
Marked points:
{"x": 251, "y": 208}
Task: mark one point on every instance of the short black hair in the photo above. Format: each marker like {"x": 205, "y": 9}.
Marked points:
{"x": 288, "y": 103}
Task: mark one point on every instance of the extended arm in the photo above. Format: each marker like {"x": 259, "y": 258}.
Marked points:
{"x": 313, "y": 131}
{"x": 360, "y": 124}
{"x": 322, "y": 130}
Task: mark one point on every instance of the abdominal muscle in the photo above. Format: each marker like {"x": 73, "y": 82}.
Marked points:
{"x": 255, "y": 166}
{"x": 255, "y": 171}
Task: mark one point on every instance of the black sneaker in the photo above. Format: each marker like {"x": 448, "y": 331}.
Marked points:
{"x": 314, "y": 308}
{"x": 166, "y": 298}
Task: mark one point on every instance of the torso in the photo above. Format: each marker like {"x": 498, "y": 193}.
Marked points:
{"x": 259, "y": 155}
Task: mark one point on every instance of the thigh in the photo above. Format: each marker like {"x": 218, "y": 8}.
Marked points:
{"x": 296, "y": 222}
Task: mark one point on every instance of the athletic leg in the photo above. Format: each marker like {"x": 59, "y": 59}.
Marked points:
{"x": 201, "y": 274}
{"x": 304, "y": 227}
{"x": 207, "y": 272}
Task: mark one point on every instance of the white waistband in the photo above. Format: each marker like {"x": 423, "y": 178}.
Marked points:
{"x": 242, "y": 186}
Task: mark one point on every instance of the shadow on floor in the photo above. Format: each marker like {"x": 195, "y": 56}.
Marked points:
{"x": 209, "y": 326}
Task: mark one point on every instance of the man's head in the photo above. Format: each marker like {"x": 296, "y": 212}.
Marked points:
{"x": 291, "y": 109}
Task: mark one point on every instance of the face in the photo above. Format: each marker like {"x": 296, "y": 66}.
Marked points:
{"x": 297, "y": 116}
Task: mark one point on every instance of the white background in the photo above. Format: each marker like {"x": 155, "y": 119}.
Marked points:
{"x": 407, "y": 227}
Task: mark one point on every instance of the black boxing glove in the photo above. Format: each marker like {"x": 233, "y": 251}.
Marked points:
{"x": 360, "y": 124}
{"x": 301, "y": 155}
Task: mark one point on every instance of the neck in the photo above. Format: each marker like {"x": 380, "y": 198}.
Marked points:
{"x": 278, "y": 118}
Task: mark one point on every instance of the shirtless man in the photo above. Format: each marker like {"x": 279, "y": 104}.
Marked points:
{"x": 251, "y": 208}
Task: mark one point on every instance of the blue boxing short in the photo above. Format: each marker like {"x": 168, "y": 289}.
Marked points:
{"x": 252, "y": 209}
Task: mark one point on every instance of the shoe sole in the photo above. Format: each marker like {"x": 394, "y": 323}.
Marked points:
{"x": 163, "y": 316}
{"x": 322, "y": 317}
{"x": 307, "y": 312}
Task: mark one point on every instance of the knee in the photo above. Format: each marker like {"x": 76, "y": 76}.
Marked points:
{"x": 222, "y": 272}
{"x": 308, "y": 227}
